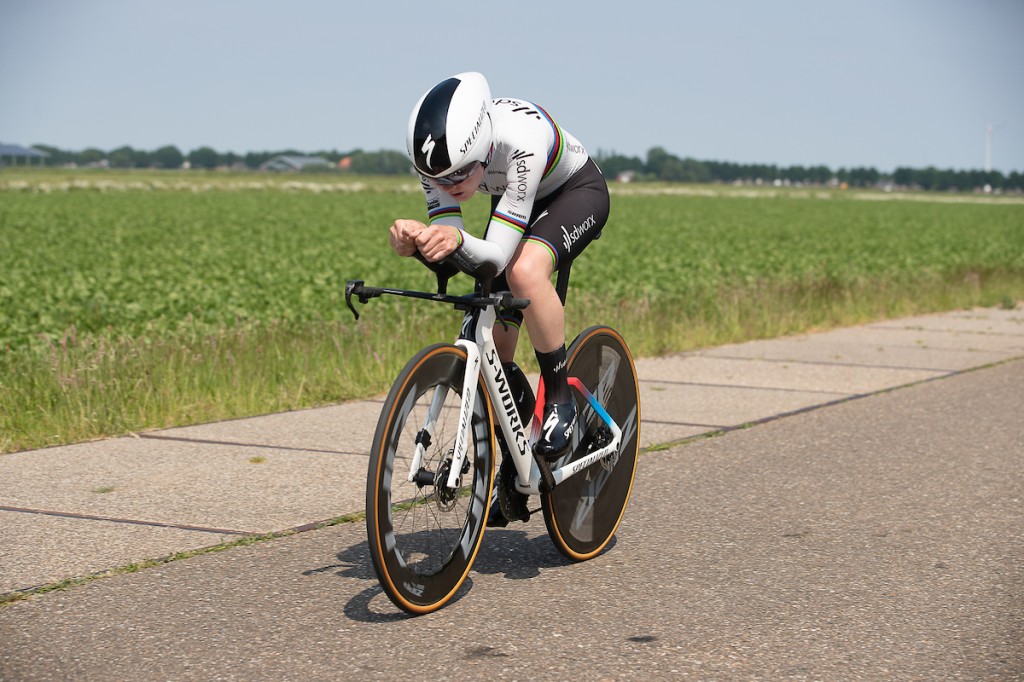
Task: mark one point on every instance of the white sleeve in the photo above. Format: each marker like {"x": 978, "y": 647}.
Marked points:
{"x": 441, "y": 208}
{"x": 509, "y": 220}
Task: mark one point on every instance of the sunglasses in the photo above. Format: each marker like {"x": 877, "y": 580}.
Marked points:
{"x": 455, "y": 177}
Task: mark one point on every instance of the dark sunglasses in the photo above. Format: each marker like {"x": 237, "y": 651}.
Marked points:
{"x": 455, "y": 177}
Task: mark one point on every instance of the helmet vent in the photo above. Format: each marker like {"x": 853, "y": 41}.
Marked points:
{"x": 430, "y": 138}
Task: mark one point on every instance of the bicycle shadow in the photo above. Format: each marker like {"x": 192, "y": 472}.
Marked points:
{"x": 512, "y": 553}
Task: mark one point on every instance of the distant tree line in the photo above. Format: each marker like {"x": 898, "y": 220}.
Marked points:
{"x": 659, "y": 165}
{"x": 665, "y": 167}
{"x": 385, "y": 162}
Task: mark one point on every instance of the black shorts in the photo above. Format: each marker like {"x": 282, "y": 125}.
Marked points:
{"x": 566, "y": 221}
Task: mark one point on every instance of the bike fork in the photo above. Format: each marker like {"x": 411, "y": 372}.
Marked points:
{"x": 462, "y": 438}
{"x": 469, "y": 390}
{"x": 426, "y": 434}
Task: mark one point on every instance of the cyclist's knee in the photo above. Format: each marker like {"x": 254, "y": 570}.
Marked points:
{"x": 531, "y": 268}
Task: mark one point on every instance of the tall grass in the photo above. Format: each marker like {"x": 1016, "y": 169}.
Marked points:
{"x": 82, "y": 388}
{"x": 131, "y": 310}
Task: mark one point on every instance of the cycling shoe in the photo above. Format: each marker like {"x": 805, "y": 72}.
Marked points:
{"x": 556, "y": 430}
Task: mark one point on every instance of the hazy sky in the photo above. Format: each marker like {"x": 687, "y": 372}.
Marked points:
{"x": 880, "y": 83}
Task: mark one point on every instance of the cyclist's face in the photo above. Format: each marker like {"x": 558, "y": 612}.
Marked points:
{"x": 467, "y": 188}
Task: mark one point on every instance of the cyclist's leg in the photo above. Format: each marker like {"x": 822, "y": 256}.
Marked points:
{"x": 565, "y": 224}
{"x": 529, "y": 276}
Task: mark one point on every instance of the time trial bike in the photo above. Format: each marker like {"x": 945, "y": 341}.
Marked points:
{"x": 451, "y": 409}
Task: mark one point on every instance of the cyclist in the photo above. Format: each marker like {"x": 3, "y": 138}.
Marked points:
{"x": 549, "y": 200}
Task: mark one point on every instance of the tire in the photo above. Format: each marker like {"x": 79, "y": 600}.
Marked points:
{"x": 423, "y": 538}
{"x": 583, "y": 512}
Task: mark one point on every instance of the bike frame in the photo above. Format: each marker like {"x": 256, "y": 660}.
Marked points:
{"x": 477, "y": 340}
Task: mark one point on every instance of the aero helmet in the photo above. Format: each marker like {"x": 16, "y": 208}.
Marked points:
{"x": 450, "y": 126}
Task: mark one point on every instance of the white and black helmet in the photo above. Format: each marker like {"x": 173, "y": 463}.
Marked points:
{"x": 450, "y": 126}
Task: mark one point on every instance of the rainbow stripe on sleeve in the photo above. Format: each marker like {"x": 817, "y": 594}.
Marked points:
{"x": 443, "y": 213}
{"x": 555, "y": 155}
{"x": 508, "y": 221}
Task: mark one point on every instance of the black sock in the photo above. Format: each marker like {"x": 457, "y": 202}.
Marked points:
{"x": 555, "y": 374}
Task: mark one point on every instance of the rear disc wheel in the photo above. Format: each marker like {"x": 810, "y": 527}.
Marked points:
{"x": 584, "y": 511}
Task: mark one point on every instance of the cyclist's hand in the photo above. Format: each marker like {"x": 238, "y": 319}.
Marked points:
{"x": 438, "y": 241}
{"x": 403, "y": 236}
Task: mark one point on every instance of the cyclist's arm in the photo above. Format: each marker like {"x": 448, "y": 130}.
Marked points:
{"x": 473, "y": 254}
{"x": 509, "y": 220}
{"x": 441, "y": 207}
{"x": 470, "y": 254}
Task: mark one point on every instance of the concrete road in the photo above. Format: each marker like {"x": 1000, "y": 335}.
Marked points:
{"x": 880, "y": 538}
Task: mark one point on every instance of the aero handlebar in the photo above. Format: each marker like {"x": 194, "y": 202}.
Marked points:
{"x": 502, "y": 299}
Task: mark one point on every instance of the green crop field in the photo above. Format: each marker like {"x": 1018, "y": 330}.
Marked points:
{"x": 134, "y": 301}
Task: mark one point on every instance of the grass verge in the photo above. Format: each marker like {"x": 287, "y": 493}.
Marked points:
{"x": 78, "y": 389}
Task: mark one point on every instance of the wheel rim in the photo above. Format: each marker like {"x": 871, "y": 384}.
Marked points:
{"x": 424, "y": 537}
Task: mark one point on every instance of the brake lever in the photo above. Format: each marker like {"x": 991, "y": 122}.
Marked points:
{"x": 354, "y": 286}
